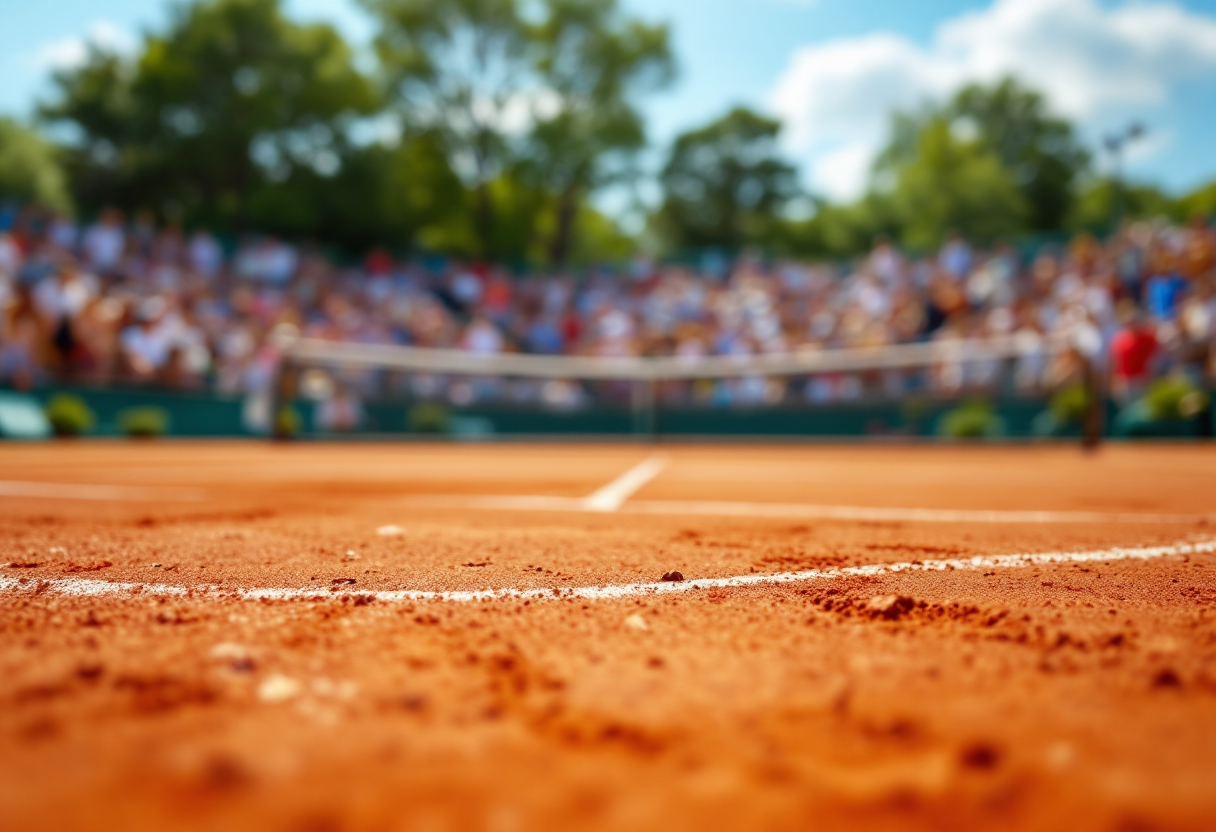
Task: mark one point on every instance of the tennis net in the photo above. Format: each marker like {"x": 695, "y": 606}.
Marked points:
{"x": 899, "y": 390}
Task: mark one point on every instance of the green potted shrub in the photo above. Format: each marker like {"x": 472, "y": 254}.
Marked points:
{"x": 972, "y": 420}
{"x": 1065, "y": 413}
{"x": 287, "y": 422}
{"x": 1175, "y": 397}
{"x": 69, "y": 415}
{"x": 1173, "y": 407}
{"x": 144, "y": 422}
{"x": 427, "y": 417}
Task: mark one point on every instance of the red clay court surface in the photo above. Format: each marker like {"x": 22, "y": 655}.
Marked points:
{"x": 297, "y": 637}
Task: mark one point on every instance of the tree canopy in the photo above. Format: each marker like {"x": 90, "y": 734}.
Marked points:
{"x": 955, "y": 184}
{"x": 595, "y": 63}
{"x": 493, "y": 128}
{"x": 231, "y": 103}
{"x": 548, "y": 102}
{"x": 29, "y": 168}
{"x": 725, "y": 184}
{"x": 1040, "y": 151}
{"x": 454, "y": 70}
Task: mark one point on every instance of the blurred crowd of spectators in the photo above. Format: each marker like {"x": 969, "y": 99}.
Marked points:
{"x": 125, "y": 300}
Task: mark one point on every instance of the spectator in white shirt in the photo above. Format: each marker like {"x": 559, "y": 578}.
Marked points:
{"x": 64, "y": 295}
{"x": 204, "y": 254}
{"x": 105, "y": 242}
{"x": 63, "y": 234}
{"x": 955, "y": 257}
{"x": 10, "y": 255}
{"x": 482, "y": 337}
{"x": 145, "y": 345}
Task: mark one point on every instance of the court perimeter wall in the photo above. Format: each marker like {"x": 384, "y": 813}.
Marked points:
{"x": 208, "y": 415}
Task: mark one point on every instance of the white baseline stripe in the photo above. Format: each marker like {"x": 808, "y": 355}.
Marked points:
{"x": 94, "y": 588}
{"x": 807, "y": 511}
{"x": 612, "y": 495}
{"x": 78, "y": 491}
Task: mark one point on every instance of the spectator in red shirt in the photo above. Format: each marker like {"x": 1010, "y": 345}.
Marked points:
{"x": 1132, "y": 352}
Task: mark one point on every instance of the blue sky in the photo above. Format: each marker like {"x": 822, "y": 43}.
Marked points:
{"x": 831, "y": 69}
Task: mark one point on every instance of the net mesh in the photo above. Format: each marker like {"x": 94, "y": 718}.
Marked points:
{"x": 905, "y": 389}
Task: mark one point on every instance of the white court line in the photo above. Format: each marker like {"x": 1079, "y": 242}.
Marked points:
{"x": 612, "y": 495}
{"x": 85, "y": 587}
{"x": 79, "y": 491}
{"x": 806, "y": 511}
{"x": 926, "y": 515}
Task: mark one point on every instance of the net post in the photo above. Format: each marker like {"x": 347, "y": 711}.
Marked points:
{"x": 1093, "y": 425}
{"x": 278, "y": 393}
{"x": 643, "y": 390}
{"x": 652, "y": 400}
{"x": 283, "y": 381}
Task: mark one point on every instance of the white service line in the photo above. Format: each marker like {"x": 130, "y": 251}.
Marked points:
{"x": 611, "y": 496}
{"x": 80, "y": 491}
{"x": 806, "y": 511}
{"x": 884, "y": 513}
{"x": 86, "y": 587}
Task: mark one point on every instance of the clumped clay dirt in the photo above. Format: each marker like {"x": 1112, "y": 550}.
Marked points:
{"x": 1050, "y": 696}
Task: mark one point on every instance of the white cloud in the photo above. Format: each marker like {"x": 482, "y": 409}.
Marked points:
{"x": 1090, "y": 61}
{"x": 521, "y": 111}
{"x": 1085, "y": 57}
{"x": 841, "y": 173}
{"x": 74, "y": 51}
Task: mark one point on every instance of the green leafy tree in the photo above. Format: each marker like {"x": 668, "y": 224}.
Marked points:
{"x": 955, "y": 183}
{"x": 30, "y": 169}
{"x": 837, "y": 231}
{"x": 95, "y": 99}
{"x": 725, "y": 184}
{"x": 1201, "y": 202}
{"x": 232, "y": 100}
{"x": 1041, "y": 151}
{"x": 526, "y": 225}
{"x": 458, "y": 70}
{"x": 600, "y": 239}
{"x": 1094, "y": 207}
{"x": 395, "y": 195}
{"x": 593, "y": 63}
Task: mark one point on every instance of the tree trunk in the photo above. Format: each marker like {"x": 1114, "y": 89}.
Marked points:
{"x": 563, "y": 235}
{"x": 485, "y": 221}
